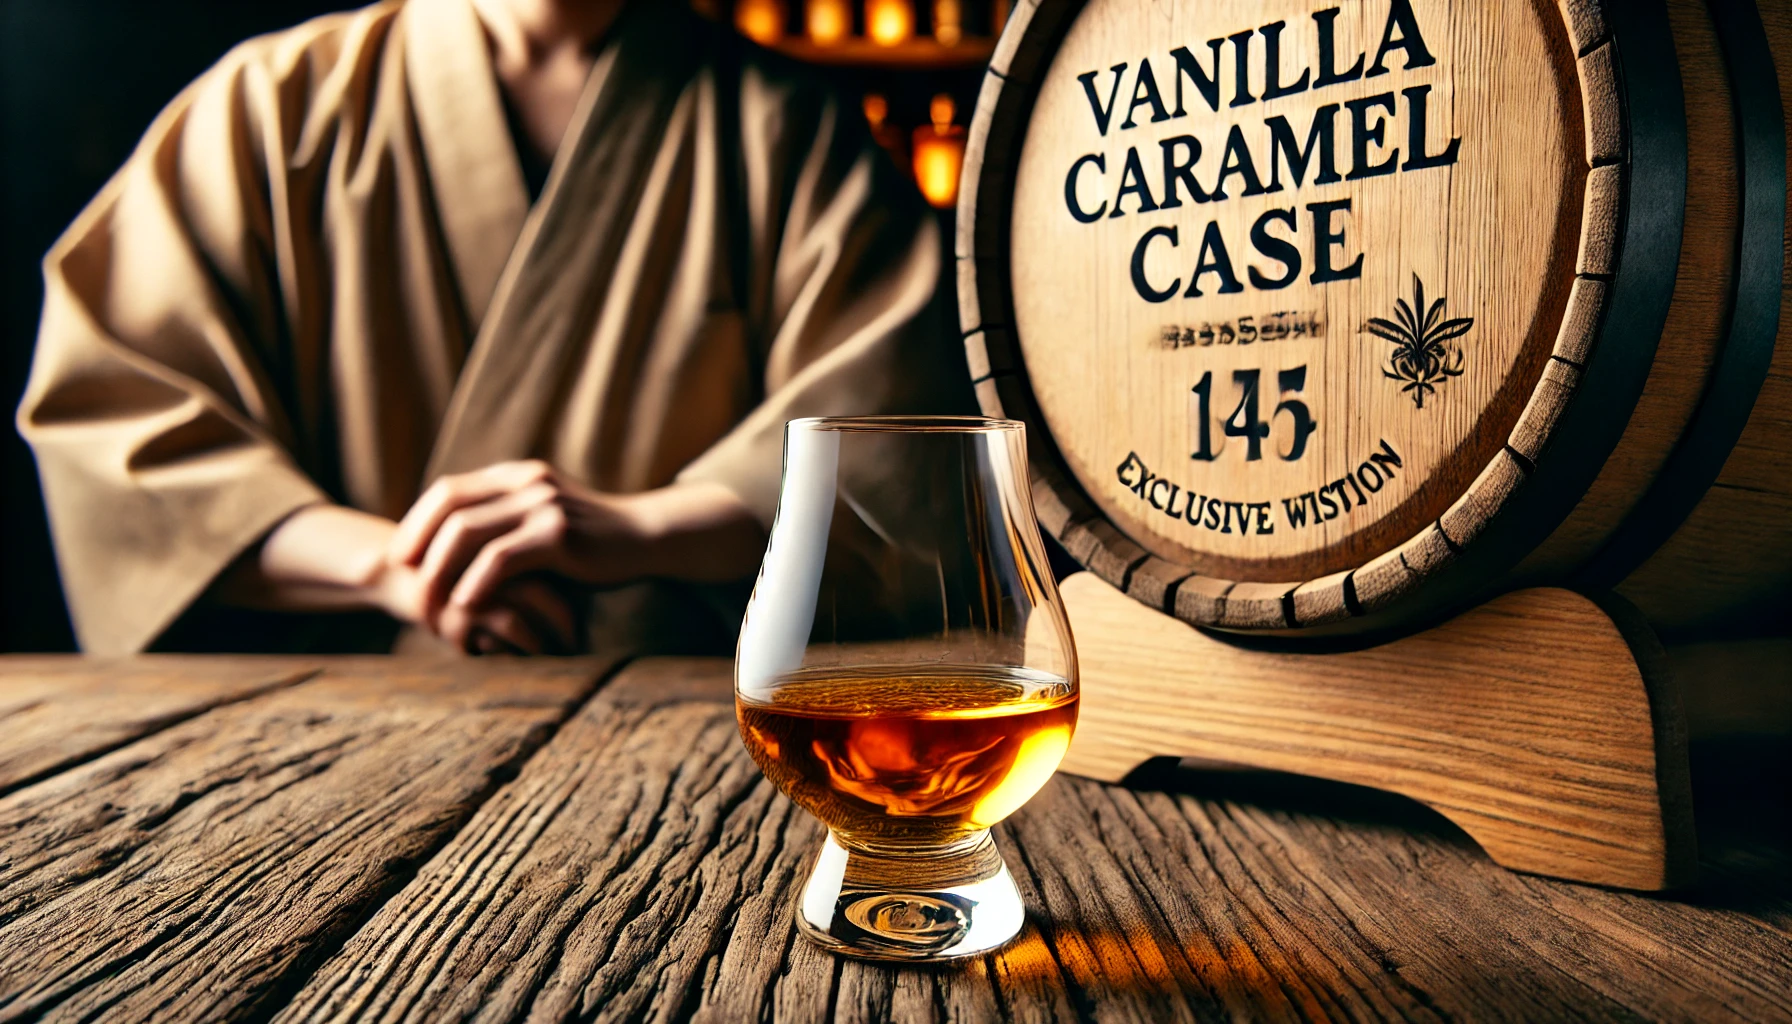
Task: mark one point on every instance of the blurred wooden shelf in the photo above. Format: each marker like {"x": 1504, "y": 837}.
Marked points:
{"x": 920, "y": 53}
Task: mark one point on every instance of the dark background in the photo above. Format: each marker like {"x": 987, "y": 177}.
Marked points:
{"x": 80, "y": 80}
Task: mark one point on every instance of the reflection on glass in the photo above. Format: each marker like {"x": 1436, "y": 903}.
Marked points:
{"x": 906, "y": 674}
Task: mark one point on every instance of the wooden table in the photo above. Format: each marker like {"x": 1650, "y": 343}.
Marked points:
{"x": 293, "y": 840}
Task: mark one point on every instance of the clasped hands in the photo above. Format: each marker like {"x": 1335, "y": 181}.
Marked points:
{"x": 486, "y": 559}
{"x": 472, "y": 560}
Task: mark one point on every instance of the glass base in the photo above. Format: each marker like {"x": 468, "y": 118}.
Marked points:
{"x": 914, "y": 906}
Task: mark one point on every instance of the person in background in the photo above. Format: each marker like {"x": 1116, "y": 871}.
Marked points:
{"x": 481, "y": 315}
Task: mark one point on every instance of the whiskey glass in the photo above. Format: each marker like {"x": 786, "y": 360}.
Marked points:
{"x": 907, "y": 675}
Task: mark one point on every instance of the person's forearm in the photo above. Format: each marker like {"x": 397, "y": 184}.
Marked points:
{"x": 321, "y": 558}
{"x": 698, "y": 532}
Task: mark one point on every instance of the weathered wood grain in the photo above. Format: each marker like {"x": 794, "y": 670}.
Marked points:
{"x": 609, "y": 876}
{"x": 203, "y": 870}
{"x": 640, "y": 868}
{"x": 56, "y": 712}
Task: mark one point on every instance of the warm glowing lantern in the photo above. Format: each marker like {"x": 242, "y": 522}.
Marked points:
{"x": 828, "y": 21}
{"x": 939, "y": 153}
{"x": 889, "y": 22}
{"x": 948, "y": 21}
{"x": 893, "y": 139}
{"x": 760, "y": 20}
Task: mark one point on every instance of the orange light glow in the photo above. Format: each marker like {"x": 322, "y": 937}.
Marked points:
{"x": 760, "y": 20}
{"x": 948, "y": 21}
{"x": 893, "y": 139}
{"x": 876, "y": 108}
{"x": 939, "y": 154}
{"x": 889, "y": 22}
{"x": 941, "y": 111}
{"x": 828, "y": 21}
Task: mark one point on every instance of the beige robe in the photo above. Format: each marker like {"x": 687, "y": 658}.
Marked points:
{"x": 321, "y": 278}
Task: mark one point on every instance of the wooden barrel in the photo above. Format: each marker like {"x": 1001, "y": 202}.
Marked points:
{"x": 1332, "y": 321}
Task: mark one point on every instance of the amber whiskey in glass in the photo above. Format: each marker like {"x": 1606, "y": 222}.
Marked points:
{"x": 906, "y": 757}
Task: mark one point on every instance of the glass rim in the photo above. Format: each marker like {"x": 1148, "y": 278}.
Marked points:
{"x": 907, "y": 424}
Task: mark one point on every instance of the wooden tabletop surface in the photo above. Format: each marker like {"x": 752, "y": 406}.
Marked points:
{"x": 286, "y": 840}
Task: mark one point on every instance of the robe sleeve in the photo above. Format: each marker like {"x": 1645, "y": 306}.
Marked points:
{"x": 157, "y": 431}
{"x": 843, "y": 284}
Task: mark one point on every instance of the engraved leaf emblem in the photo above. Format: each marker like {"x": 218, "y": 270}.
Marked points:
{"x": 1423, "y": 357}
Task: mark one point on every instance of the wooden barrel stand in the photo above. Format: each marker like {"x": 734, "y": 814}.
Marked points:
{"x": 1547, "y": 727}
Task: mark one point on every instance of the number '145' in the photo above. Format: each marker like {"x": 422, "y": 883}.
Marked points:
{"x": 1246, "y": 420}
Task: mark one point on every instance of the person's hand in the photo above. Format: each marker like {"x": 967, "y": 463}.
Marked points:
{"x": 525, "y": 616}
{"x": 470, "y": 534}
{"x": 330, "y": 558}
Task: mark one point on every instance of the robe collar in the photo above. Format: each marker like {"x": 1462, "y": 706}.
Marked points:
{"x": 555, "y": 275}
{"x": 474, "y": 171}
